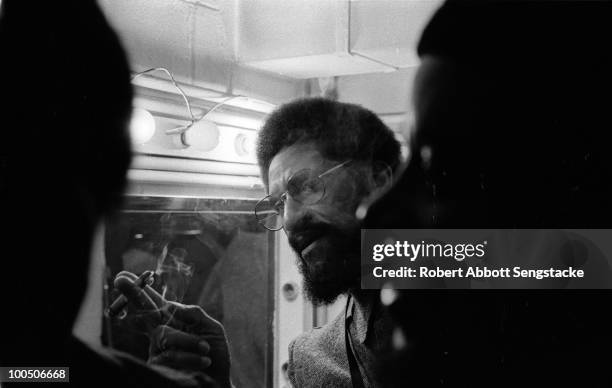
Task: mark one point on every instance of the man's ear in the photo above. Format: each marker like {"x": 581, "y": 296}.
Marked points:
{"x": 382, "y": 175}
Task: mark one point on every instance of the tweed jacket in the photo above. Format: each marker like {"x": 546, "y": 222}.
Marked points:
{"x": 318, "y": 357}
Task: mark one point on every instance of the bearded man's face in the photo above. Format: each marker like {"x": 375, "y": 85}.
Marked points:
{"x": 324, "y": 232}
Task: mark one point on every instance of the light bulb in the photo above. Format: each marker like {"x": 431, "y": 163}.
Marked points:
{"x": 244, "y": 145}
{"x": 142, "y": 126}
{"x": 203, "y": 136}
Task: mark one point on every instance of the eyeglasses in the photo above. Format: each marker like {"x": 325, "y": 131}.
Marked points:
{"x": 304, "y": 187}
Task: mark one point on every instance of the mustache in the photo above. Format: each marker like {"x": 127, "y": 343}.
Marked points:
{"x": 307, "y": 232}
{"x": 309, "y": 229}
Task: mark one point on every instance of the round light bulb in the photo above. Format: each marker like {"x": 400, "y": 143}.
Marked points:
{"x": 203, "y": 136}
{"x": 244, "y": 145}
{"x": 142, "y": 126}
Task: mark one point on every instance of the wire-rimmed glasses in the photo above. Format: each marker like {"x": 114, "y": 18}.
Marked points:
{"x": 303, "y": 186}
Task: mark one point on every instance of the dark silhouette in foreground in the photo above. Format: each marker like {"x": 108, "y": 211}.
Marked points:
{"x": 512, "y": 130}
{"x": 66, "y": 101}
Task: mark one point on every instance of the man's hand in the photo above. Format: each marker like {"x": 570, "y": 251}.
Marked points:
{"x": 181, "y": 337}
{"x": 177, "y": 349}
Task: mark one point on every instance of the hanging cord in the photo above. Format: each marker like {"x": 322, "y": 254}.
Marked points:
{"x": 176, "y": 85}
{"x": 217, "y": 105}
{"x": 182, "y": 129}
{"x": 183, "y": 132}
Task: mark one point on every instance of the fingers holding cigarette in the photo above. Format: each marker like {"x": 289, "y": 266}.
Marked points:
{"x": 157, "y": 299}
{"x": 135, "y": 290}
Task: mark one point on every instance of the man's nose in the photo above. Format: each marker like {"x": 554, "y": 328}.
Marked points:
{"x": 291, "y": 213}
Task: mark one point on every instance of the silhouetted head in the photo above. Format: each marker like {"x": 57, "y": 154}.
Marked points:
{"x": 65, "y": 152}
{"x": 512, "y": 119}
{"x": 511, "y": 102}
{"x": 319, "y": 159}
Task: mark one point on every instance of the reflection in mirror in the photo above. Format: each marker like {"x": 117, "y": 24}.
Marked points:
{"x": 203, "y": 251}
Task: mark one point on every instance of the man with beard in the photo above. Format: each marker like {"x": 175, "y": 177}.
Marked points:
{"x": 319, "y": 160}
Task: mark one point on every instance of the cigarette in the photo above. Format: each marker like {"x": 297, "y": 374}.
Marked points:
{"x": 121, "y": 302}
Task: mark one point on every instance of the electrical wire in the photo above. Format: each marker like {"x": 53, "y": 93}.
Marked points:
{"x": 220, "y": 104}
{"x": 176, "y": 85}
{"x": 184, "y": 128}
{"x": 202, "y": 4}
